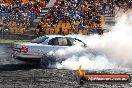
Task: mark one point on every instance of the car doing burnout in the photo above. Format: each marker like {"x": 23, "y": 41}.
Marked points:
{"x": 34, "y": 50}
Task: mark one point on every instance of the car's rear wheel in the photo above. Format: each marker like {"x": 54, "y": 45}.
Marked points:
{"x": 46, "y": 61}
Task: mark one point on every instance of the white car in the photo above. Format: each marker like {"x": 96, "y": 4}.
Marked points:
{"x": 36, "y": 49}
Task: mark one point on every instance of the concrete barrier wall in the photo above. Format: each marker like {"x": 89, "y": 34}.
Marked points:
{"x": 16, "y": 36}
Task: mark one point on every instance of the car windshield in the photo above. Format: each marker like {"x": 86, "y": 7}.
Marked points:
{"x": 39, "y": 39}
{"x": 81, "y": 42}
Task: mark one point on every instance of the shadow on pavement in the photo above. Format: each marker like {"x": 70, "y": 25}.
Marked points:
{"x": 14, "y": 67}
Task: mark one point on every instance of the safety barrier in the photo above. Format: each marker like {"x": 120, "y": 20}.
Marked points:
{"x": 49, "y": 31}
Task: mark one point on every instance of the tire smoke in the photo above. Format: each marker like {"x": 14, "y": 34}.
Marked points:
{"x": 111, "y": 50}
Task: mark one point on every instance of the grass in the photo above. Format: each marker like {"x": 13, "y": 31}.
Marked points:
{"x": 12, "y": 41}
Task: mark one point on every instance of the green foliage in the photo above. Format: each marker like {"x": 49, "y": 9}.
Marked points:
{"x": 13, "y": 41}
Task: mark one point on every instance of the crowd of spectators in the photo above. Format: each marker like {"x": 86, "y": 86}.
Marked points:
{"x": 88, "y": 13}
{"x": 80, "y": 14}
{"x": 19, "y": 14}
{"x": 116, "y": 5}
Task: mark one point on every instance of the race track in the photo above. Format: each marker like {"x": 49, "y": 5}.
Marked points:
{"x": 15, "y": 74}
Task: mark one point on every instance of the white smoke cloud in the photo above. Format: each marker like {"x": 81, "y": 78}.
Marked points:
{"x": 109, "y": 51}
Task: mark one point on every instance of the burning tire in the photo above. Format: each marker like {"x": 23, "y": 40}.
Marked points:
{"x": 82, "y": 80}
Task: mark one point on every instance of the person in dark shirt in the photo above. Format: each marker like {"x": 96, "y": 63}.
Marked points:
{"x": 39, "y": 26}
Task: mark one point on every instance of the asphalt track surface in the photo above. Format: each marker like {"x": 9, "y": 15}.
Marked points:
{"x": 15, "y": 74}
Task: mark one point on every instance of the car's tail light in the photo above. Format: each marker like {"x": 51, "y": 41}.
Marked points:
{"x": 23, "y": 49}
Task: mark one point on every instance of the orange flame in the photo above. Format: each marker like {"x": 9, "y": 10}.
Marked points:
{"x": 81, "y": 71}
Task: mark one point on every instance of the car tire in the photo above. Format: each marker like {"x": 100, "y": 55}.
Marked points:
{"x": 82, "y": 80}
{"x": 46, "y": 61}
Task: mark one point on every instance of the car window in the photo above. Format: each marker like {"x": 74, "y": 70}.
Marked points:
{"x": 70, "y": 41}
{"x": 60, "y": 41}
{"x": 53, "y": 41}
{"x": 39, "y": 39}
